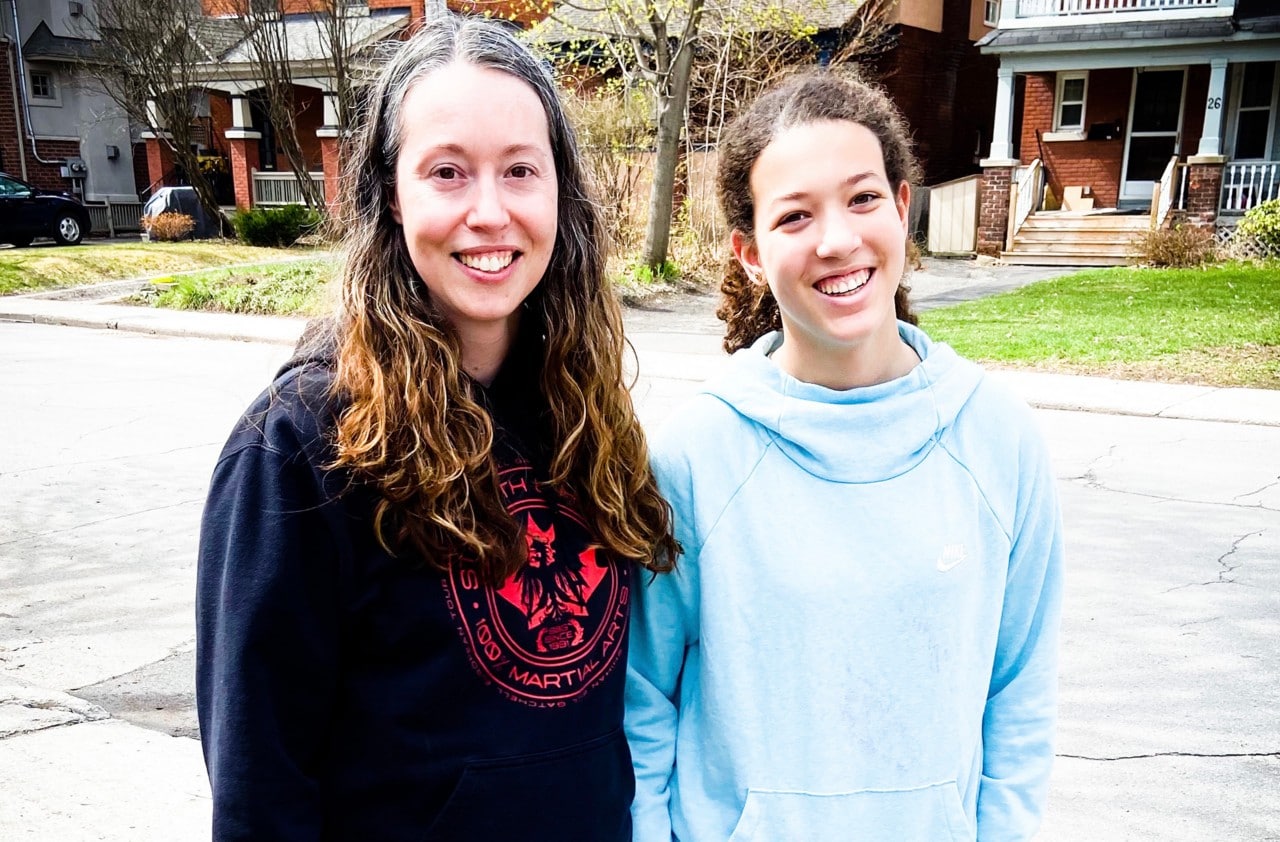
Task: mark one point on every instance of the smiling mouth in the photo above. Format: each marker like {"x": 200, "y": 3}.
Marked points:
{"x": 491, "y": 262}
{"x": 843, "y": 285}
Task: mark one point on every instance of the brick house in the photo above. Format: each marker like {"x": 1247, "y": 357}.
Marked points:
{"x": 236, "y": 131}
{"x": 1123, "y": 115}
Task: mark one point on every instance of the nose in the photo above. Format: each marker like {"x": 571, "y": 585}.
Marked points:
{"x": 488, "y": 207}
{"x": 839, "y": 236}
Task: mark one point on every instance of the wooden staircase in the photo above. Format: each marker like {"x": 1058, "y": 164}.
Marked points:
{"x": 1054, "y": 238}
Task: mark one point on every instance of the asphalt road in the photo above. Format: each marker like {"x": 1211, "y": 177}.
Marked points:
{"x": 1171, "y": 648}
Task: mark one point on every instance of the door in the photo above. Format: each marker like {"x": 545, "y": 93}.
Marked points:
{"x": 21, "y": 216}
{"x": 1155, "y": 128}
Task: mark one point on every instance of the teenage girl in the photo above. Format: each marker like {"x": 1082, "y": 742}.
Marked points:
{"x": 414, "y": 572}
{"x": 859, "y": 642}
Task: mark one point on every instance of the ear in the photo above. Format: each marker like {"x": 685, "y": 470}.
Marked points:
{"x": 744, "y": 248}
{"x": 395, "y": 209}
{"x": 904, "y": 205}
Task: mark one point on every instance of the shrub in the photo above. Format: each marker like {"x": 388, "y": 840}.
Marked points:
{"x": 275, "y": 226}
{"x": 1182, "y": 246}
{"x": 1262, "y": 223}
{"x": 169, "y": 226}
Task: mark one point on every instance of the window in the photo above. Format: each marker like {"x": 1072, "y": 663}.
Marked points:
{"x": 42, "y": 85}
{"x": 1069, "y": 111}
{"x": 990, "y": 12}
{"x": 1253, "y": 119}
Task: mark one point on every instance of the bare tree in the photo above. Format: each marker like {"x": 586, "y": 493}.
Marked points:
{"x": 333, "y": 23}
{"x": 267, "y": 43}
{"x": 706, "y": 58}
{"x": 653, "y": 41}
{"x": 149, "y": 65}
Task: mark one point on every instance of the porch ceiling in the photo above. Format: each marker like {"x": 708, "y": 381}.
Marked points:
{"x": 1088, "y": 37}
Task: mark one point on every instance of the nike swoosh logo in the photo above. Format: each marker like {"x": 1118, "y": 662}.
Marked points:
{"x": 951, "y": 558}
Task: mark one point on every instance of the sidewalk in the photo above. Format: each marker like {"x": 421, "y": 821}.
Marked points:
{"x": 664, "y": 355}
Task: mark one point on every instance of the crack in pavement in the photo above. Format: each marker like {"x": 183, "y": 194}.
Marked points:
{"x": 1225, "y": 755}
{"x": 1092, "y": 482}
{"x": 1266, "y": 487}
{"x": 104, "y": 460}
{"x": 32, "y": 537}
{"x": 1227, "y": 568}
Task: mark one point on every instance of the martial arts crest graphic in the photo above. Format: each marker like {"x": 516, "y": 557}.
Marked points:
{"x": 555, "y": 628}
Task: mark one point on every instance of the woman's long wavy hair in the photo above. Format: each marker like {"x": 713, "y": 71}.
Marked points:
{"x": 749, "y": 309}
{"x": 413, "y": 428}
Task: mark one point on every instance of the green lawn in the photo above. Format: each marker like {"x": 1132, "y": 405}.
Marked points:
{"x": 299, "y": 288}
{"x": 49, "y": 267}
{"x": 1216, "y": 325}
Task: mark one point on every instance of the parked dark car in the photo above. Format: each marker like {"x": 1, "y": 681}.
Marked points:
{"x": 27, "y": 212}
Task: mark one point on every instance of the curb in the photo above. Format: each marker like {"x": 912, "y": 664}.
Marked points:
{"x": 1043, "y": 390}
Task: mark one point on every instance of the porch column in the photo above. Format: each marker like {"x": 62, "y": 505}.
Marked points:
{"x": 159, "y": 152}
{"x": 159, "y": 157}
{"x": 993, "y": 206}
{"x": 1214, "y": 107}
{"x": 997, "y": 170}
{"x": 243, "y": 142}
{"x": 1002, "y": 128}
{"x": 330, "y": 135}
{"x": 1204, "y": 187}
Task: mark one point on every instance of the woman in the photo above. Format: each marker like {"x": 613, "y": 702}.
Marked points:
{"x": 413, "y": 574}
{"x": 859, "y": 642}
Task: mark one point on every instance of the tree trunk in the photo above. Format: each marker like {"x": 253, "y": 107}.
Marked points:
{"x": 670, "y": 104}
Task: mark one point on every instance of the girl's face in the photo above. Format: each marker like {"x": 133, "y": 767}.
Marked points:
{"x": 476, "y": 195}
{"x": 830, "y": 240}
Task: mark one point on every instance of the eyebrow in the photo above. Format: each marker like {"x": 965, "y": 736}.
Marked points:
{"x": 849, "y": 182}
{"x": 512, "y": 149}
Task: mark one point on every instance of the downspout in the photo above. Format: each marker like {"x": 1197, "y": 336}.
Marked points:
{"x": 17, "y": 113}
{"x": 22, "y": 86}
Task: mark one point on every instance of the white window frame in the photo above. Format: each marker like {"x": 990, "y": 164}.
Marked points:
{"x": 1237, "y": 85}
{"x": 1058, "y": 103}
{"x": 991, "y": 12}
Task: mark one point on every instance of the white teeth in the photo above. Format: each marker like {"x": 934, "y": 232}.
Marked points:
{"x": 852, "y": 282}
{"x": 494, "y": 261}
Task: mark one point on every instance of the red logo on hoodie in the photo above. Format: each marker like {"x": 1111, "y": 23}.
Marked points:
{"x": 555, "y": 628}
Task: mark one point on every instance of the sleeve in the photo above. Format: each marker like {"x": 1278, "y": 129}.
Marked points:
{"x": 664, "y": 627}
{"x": 267, "y": 616}
{"x": 1018, "y": 724}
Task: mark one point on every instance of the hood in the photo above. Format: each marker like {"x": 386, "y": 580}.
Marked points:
{"x": 860, "y": 435}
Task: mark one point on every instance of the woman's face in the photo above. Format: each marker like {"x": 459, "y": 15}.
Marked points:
{"x": 830, "y": 240}
{"x": 476, "y": 197}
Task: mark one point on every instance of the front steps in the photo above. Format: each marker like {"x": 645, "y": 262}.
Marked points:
{"x": 1056, "y": 238}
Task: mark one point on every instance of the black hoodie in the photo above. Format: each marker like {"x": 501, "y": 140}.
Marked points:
{"x": 347, "y": 694}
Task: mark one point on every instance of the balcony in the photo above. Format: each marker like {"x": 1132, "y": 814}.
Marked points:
{"x": 1084, "y": 8}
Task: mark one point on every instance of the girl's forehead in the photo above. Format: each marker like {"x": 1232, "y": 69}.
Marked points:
{"x": 821, "y": 150}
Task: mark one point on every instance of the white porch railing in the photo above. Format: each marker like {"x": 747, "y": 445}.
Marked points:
{"x": 1024, "y": 197}
{"x": 1163, "y": 195}
{"x": 1246, "y": 185}
{"x": 1039, "y": 8}
{"x": 281, "y": 188}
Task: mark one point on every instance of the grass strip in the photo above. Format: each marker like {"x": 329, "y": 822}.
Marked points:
{"x": 1216, "y": 325}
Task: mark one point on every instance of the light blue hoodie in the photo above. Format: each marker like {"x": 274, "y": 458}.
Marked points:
{"x": 859, "y": 642}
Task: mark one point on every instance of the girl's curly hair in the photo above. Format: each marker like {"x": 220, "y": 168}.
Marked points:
{"x": 749, "y": 309}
